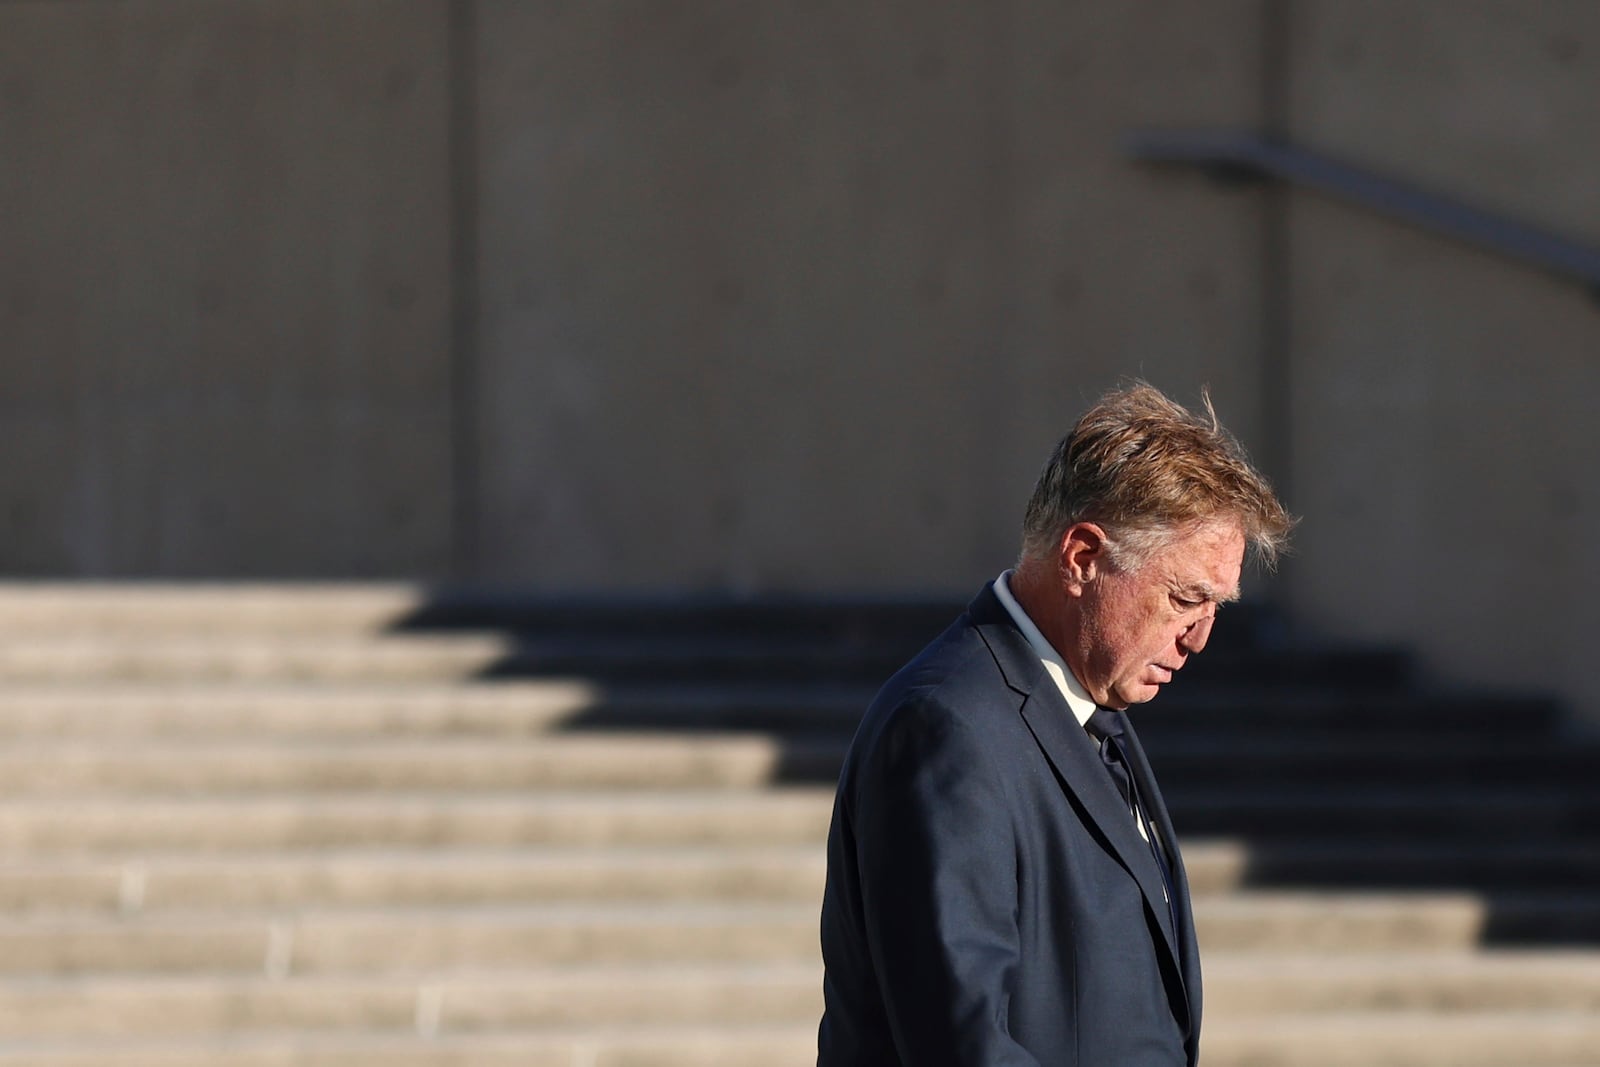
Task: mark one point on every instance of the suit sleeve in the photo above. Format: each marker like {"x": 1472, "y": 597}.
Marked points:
{"x": 936, "y": 851}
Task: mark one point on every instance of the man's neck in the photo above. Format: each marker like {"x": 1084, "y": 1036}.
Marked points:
{"x": 1078, "y": 700}
{"x": 1044, "y": 604}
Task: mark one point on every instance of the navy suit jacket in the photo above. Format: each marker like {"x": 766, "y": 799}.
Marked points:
{"x": 989, "y": 900}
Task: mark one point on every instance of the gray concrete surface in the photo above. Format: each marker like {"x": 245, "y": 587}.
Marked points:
{"x": 225, "y": 290}
{"x": 1445, "y": 441}
{"x": 784, "y": 297}
{"x": 782, "y": 287}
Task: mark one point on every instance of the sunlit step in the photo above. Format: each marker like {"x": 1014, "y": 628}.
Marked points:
{"x": 140, "y": 608}
{"x": 146, "y": 658}
{"x": 83, "y": 768}
{"x": 508, "y": 708}
{"x": 454, "y": 1002}
{"x": 1241, "y": 989}
{"x": 389, "y": 939}
{"x": 166, "y": 882}
{"x": 1523, "y": 1039}
{"x": 126, "y": 826}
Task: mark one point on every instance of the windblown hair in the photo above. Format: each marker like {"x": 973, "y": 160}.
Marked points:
{"x": 1146, "y": 470}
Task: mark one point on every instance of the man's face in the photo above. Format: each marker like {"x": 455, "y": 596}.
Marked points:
{"x": 1138, "y": 627}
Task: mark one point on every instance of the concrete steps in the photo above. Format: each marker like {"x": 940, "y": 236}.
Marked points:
{"x": 459, "y": 1002}
{"x": 407, "y": 939}
{"x": 226, "y": 938}
{"x": 215, "y": 767}
{"x": 154, "y": 883}
{"x": 1389, "y": 1039}
{"x": 533, "y": 818}
{"x": 1406, "y": 1039}
{"x": 1304, "y": 775}
{"x": 78, "y": 709}
{"x": 1239, "y": 985}
{"x": 1553, "y": 863}
{"x": 1531, "y": 810}
{"x": 412, "y": 657}
{"x": 1251, "y": 984}
{"x": 507, "y": 707}
{"x": 738, "y": 1045}
{"x": 142, "y": 608}
{"x": 190, "y": 658}
{"x": 342, "y": 825}
{"x": 1335, "y": 758}
{"x": 109, "y": 879}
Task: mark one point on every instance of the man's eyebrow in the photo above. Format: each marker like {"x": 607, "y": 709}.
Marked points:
{"x": 1202, "y": 590}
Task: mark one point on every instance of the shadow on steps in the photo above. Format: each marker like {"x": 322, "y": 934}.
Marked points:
{"x": 1332, "y": 767}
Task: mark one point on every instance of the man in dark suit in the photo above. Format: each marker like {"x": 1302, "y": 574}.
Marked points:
{"x": 1004, "y": 885}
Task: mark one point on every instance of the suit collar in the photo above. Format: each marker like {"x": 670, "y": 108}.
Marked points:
{"x": 1018, "y": 665}
{"x": 1055, "y": 665}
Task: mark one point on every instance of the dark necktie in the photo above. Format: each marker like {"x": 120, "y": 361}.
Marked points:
{"x": 1108, "y": 727}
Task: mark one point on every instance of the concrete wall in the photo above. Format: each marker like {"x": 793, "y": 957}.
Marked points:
{"x": 787, "y": 296}
{"x": 1446, "y": 442}
{"x": 769, "y": 296}
{"x": 224, "y": 287}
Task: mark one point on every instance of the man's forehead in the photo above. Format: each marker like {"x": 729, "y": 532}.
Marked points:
{"x": 1207, "y": 563}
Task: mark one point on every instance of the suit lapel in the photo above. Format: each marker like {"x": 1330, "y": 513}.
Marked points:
{"x": 1073, "y": 754}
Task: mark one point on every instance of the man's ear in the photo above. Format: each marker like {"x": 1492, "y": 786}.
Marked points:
{"x": 1082, "y": 556}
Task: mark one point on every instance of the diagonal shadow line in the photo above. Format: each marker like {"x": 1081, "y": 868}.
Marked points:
{"x": 1332, "y": 766}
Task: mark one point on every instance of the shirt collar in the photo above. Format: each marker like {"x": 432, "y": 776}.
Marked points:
{"x": 1078, "y": 700}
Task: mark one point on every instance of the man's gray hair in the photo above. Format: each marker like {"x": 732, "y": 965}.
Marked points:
{"x": 1145, "y": 469}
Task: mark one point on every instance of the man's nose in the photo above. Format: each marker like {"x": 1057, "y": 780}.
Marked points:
{"x": 1194, "y": 638}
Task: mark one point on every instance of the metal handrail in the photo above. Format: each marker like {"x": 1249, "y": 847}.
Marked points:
{"x": 1234, "y": 154}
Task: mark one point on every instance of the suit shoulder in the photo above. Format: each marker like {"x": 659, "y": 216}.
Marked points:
{"x": 957, "y": 669}
{"x": 952, "y": 687}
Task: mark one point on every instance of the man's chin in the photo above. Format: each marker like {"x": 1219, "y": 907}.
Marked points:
{"x": 1140, "y": 694}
